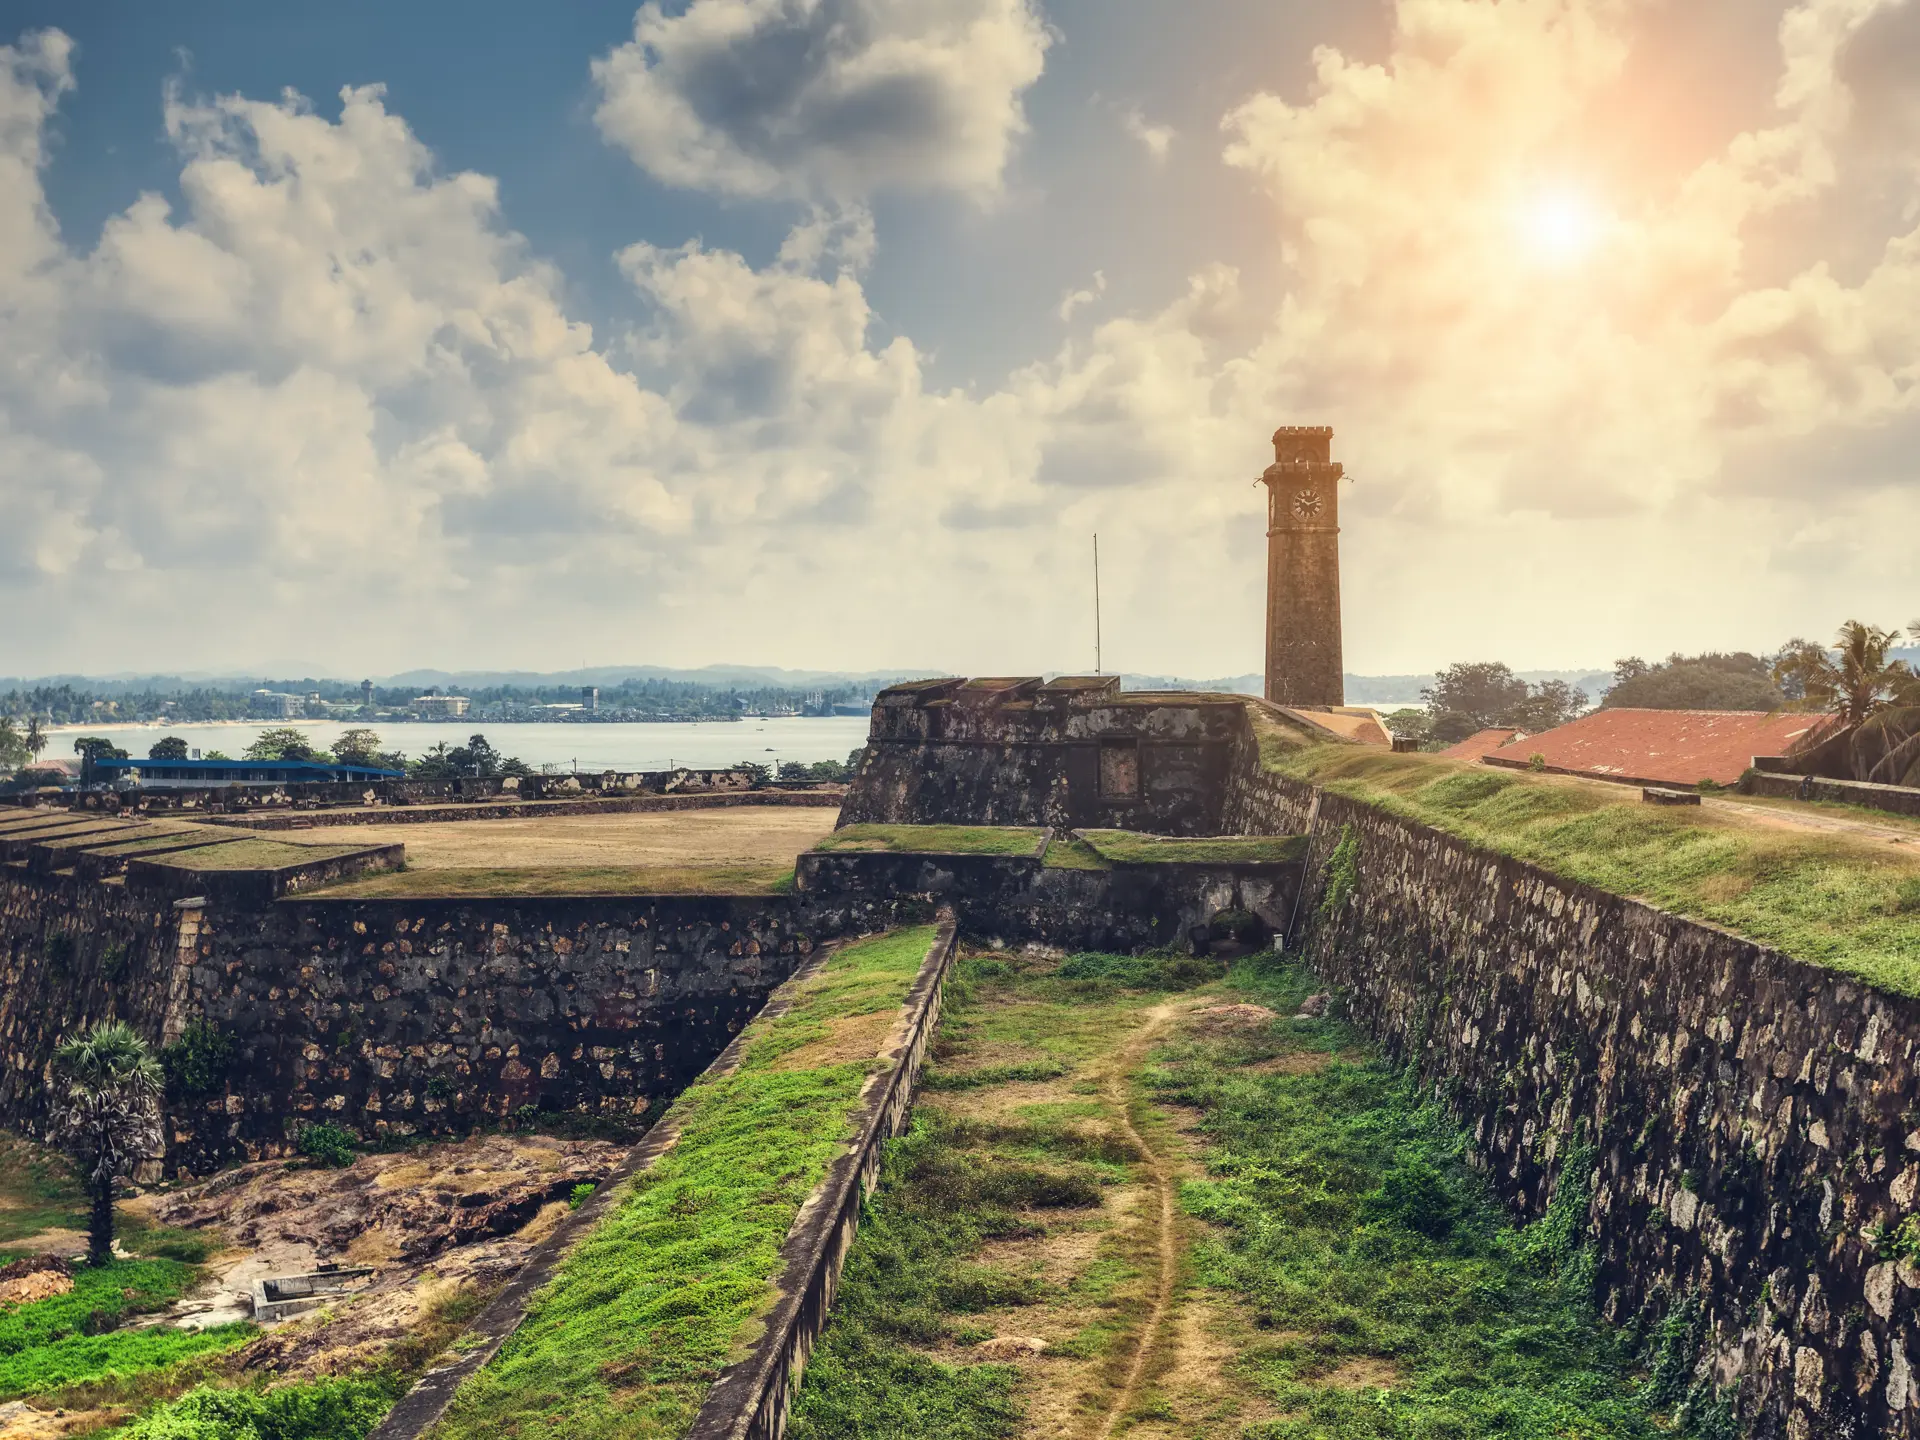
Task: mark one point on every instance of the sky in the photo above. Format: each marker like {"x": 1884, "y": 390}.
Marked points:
{"x": 828, "y": 333}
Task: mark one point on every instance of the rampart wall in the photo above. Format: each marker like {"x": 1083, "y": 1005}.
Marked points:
{"x": 394, "y": 1016}
{"x": 1014, "y": 899}
{"x": 1749, "y": 1125}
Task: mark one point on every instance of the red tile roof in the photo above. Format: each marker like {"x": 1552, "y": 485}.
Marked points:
{"x": 1669, "y": 747}
{"x": 1482, "y": 742}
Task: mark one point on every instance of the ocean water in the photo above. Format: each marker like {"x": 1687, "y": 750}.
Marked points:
{"x": 588, "y": 747}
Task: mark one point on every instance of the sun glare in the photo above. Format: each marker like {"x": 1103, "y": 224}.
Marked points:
{"x": 1561, "y": 226}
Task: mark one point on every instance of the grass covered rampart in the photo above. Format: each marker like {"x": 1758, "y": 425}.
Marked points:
{"x": 675, "y": 1282}
{"x": 1848, "y": 901}
{"x": 1338, "y": 1270}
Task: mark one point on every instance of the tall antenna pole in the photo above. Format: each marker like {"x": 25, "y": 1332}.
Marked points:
{"x": 1096, "y": 602}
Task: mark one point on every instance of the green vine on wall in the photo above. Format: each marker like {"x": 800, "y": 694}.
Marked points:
{"x": 1343, "y": 871}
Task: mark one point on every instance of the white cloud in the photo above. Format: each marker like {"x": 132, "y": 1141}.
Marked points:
{"x": 1155, "y": 139}
{"x": 1075, "y": 299}
{"x": 823, "y": 99}
{"x": 334, "y": 395}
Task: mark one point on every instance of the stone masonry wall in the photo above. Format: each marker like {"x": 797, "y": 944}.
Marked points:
{"x": 422, "y": 1016}
{"x": 1754, "y": 1122}
{"x": 395, "y": 1016}
{"x": 1015, "y": 899}
{"x": 71, "y": 953}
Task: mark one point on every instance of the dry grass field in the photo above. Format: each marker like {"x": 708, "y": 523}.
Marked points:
{"x": 739, "y": 848}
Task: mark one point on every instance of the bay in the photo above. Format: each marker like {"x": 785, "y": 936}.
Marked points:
{"x": 585, "y": 746}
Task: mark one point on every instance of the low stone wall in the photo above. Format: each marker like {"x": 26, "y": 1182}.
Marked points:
{"x": 752, "y": 1398}
{"x": 253, "y": 799}
{"x": 828, "y": 799}
{"x": 1746, "y": 1122}
{"x": 176, "y": 876}
{"x": 1894, "y": 799}
{"x": 1015, "y": 899}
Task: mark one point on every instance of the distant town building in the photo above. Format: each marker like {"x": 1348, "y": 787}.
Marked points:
{"x": 440, "y": 707}
{"x": 366, "y": 695}
{"x": 276, "y": 705}
{"x": 589, "y": 697}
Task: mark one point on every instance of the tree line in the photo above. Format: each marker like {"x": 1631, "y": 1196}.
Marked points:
{"x": 477, "y": 759}
{"x": 1854, "y": 679}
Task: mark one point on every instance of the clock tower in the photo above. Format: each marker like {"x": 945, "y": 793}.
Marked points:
{"x": 1303, "y": 569}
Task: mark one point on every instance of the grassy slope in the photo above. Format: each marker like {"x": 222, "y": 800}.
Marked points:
{"x": 1131, "y": 848}
{"x": 668, "y": 1289}
{"x": 1846, "y": 902}
{"x": 1357, "y": 1279}
{"x": 935, "y": 839}
{"x": 741, "y": 879}
{"x": 1391, "y": 1296}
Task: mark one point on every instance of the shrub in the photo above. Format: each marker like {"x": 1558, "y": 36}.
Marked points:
{"x": 328, "y": 1144}
{"x": 315, "y": 1410}
{"x": 1414, "y": 1194}
{"x": 199, "y": 1062}
{"x": 1537, "y": 762}
{"x": 439, "y": 1088}
{"x": 1155, "y": 970}
{"x": 58, "y": 949}
{"x": 113, "y": 962}
{"x": 580, "y": 1194}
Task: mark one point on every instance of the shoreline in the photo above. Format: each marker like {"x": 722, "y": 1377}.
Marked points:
{"x": 279, "y": 724}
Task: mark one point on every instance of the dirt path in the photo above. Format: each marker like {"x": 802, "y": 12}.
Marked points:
{"x": 1119, "y": 1087}
{"x": 1780, "y": 818}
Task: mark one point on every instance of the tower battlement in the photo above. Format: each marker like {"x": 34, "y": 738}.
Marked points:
{"x": 1293, "y": 444}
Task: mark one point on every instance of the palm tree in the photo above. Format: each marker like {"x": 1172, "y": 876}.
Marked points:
{"x": 1851, "y": 686}
{"x": 106, "y": 1115}
{"x": 36, "y": 737}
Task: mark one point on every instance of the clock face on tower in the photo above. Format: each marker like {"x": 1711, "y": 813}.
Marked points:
{"x": 1306, "y": 504}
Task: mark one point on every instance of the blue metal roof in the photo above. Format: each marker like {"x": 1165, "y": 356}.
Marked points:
{"x": 288, "y": 768}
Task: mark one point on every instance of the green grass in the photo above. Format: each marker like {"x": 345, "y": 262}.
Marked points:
{"x": 71, "y": 1339}
{"x": 935, "y": 839}
{"x": 1073, "y": 855}
{"x": 175, "y": 838}
{"x": 335, "y": 1409}
{"x": 1127, "y": 847}
{"x": 1833, "y": 900}
{"x": 743, "y": 879}
{"x": 79, "y": 1359}
{"x": 953, "y": 1184}
{"x": 37, "y": 1192}
{"x": 672, "y": 1285}
{"x": 1341, "y": 1210}
{"x": 253, "y": 855}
